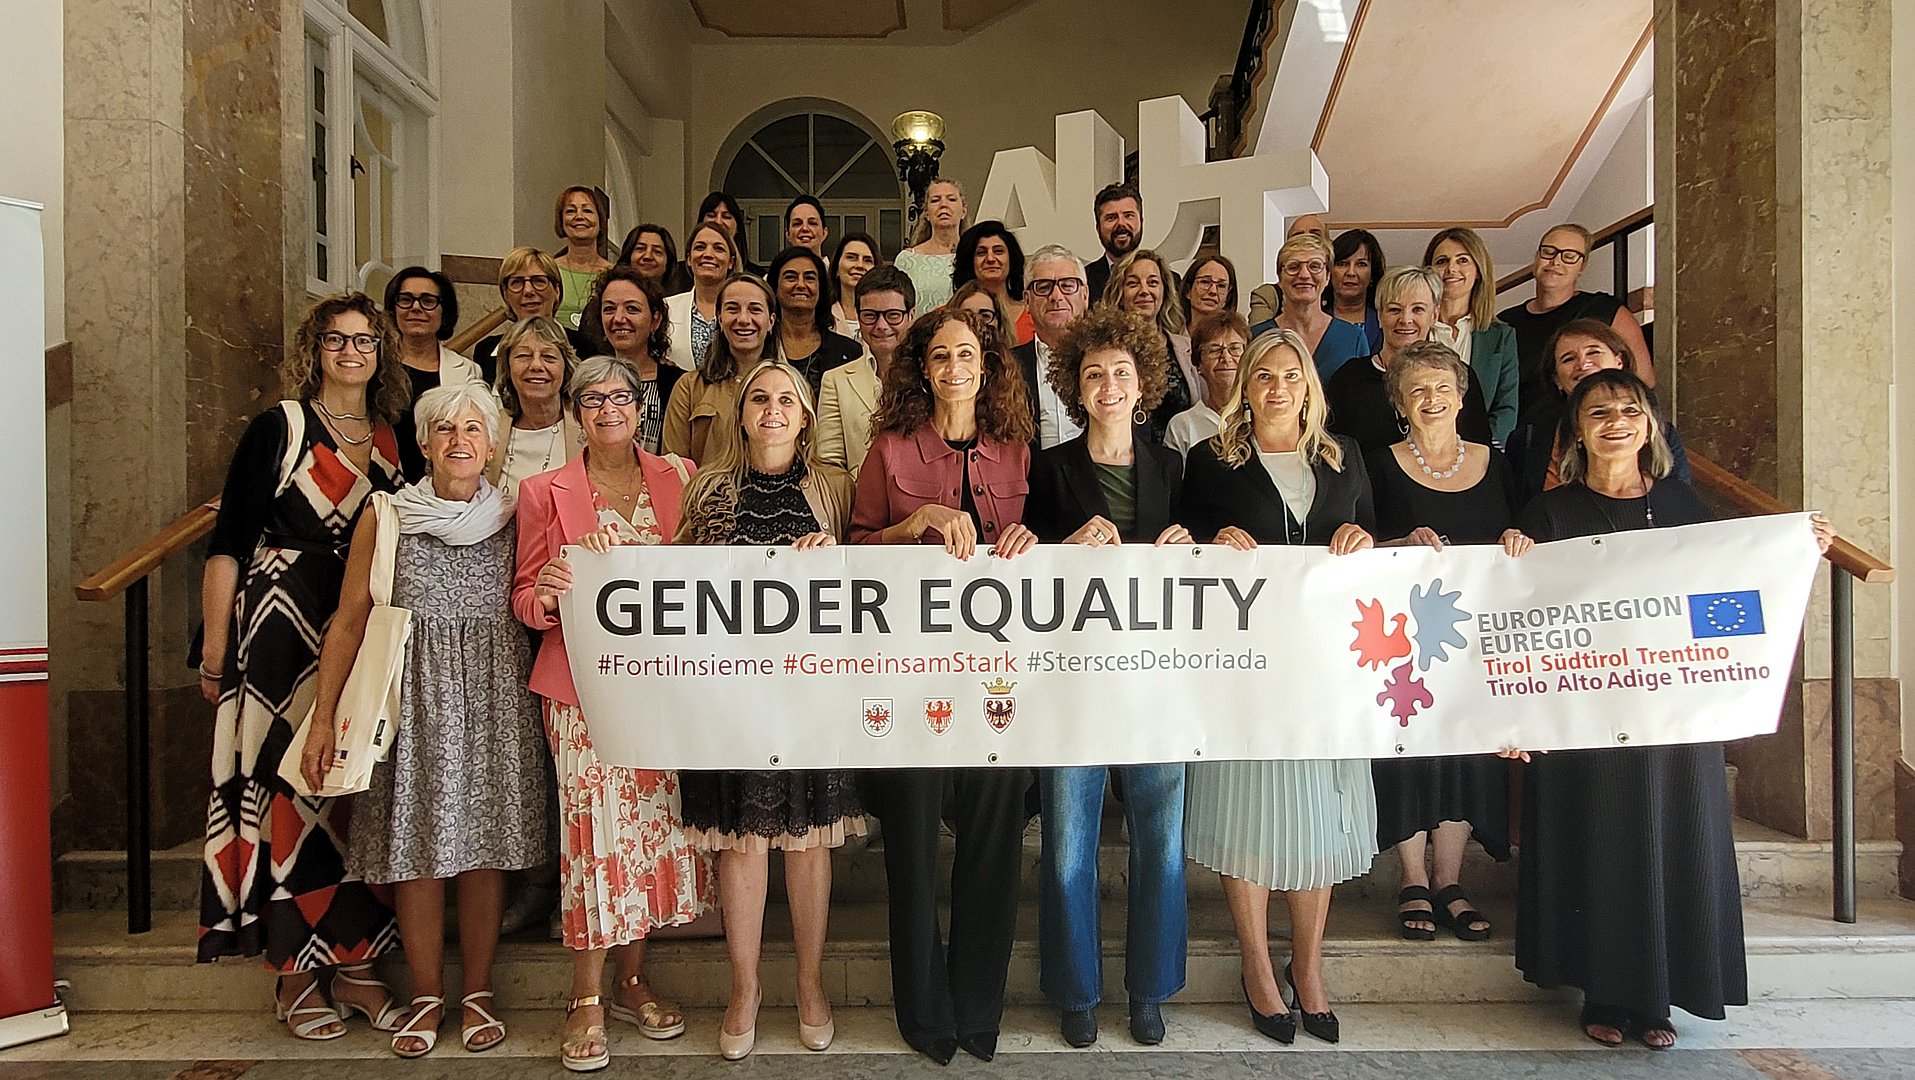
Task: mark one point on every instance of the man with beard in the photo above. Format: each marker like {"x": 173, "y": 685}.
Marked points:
{"x": 1119, "y": 210}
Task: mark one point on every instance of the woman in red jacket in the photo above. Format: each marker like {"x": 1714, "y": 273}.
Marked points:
{"x": 627, "y": 867}
{"x": 949, "y": 466}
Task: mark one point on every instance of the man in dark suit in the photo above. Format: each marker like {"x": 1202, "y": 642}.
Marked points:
{"x": 1055, "y": 291}
{"x": 1119, "y": 210}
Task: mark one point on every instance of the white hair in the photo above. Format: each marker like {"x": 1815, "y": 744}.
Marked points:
{"x": 1050, "y": 253}
{"x": 442, "y": 403}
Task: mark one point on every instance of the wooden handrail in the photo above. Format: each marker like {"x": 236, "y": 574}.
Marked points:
{"x": 150, "y": 553}
{"x": 1602, "y": 236}
{"x": 463, "y": 341}
{"x": 1746, "y": 496}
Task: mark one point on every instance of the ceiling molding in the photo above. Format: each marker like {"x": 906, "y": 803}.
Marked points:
{"x": 733, "y": 25}
{"x": 1555, "y": 185}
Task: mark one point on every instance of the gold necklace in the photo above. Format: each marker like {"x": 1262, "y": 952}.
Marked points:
{"x": 624, "y": 496}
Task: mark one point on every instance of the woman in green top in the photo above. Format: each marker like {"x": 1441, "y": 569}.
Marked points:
{"x": 1109, "y": 486}
{"x": 579, "y": 220}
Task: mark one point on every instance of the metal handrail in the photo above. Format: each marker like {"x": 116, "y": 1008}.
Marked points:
{"x": 477, "y": 331}
{"x": 1850, "y": 564}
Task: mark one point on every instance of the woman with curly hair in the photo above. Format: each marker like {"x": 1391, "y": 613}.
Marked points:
{"x": 1140, "y": 283}
{"x": 949, "y": 466}
{"x": 989, "y": 254}
{"x": 275, "y": 879}
{"x": 1107, "y": 487}
{"x": 1275, "y": 474}
{"x": 764, "y": 484}
{"x": 626, "y": 318}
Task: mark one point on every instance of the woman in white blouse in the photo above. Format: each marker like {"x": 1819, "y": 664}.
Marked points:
{"x": 712, "y": 256}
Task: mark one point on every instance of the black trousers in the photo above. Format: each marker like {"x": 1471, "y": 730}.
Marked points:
{"x": 959, "y": 993}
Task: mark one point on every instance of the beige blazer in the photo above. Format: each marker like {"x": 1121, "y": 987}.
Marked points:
{"x": 678, "y": 309}
{"x": 847, "y": 409}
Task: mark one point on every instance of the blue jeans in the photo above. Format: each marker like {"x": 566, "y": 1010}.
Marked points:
{"x": 1068, "y": 935}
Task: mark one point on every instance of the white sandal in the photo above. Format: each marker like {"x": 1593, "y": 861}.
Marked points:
{"x": 471, "y": 1001}
{"x": 322, "y": 1015}
{"x": 391, "y": 1014}
{"x": 422, "y": 1005}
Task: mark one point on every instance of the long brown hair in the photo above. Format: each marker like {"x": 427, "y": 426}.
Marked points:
{"x": 389, "y": 394}
{"x": 1003, "y": 407}
{"x": 718, "y": 364}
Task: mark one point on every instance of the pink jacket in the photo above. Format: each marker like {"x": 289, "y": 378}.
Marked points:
{"x": 904, "y": 472}
{"x": 555, "y": 509}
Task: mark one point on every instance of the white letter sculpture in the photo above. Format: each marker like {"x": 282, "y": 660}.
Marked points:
{"x": 1250, "y": 199}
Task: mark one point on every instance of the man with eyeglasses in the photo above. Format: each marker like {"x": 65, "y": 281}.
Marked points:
{"x": 848, "y": 400}
{"x": 1561, "y": 257}
{"x": 1055, "y": 292}
{"x": 530, "y": 284}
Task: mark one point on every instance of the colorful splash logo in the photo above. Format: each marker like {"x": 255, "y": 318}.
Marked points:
{"x": 1423, "y": 636}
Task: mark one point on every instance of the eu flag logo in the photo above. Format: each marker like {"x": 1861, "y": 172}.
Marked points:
{"x": 1726, "y": 614}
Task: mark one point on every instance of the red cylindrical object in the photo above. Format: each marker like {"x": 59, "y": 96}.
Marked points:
{"x": 26, "y": 852}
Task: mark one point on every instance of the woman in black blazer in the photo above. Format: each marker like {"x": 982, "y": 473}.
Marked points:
{"x": 1111, "y": 485}
{"x": 1274, "y": 475}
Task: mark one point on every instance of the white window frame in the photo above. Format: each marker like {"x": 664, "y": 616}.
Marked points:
{"x": 352, "y": 53}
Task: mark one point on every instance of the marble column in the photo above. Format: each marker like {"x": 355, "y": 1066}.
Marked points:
{"x": 1773, "y": 136}
{"x": 177, "y": 222}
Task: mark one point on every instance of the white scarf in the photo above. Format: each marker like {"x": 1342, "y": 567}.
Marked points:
{"x": 459, "y": 524}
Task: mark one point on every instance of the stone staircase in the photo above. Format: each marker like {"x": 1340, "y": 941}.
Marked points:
{"x": 1795, "y": 950}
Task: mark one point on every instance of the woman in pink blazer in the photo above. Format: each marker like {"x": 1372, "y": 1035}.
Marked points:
{"x": 626, "y": 865}
{"x": 949, "y": 466}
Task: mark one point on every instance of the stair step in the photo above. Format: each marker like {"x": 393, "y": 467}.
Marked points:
{"x": 1773, "y": 865}
{"x": 1795, "y": 952}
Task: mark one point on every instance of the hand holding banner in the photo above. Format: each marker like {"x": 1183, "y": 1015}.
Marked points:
{"x": 755, "y": 658}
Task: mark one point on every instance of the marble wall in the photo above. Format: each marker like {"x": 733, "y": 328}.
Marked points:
{"x": 177, "y": 226}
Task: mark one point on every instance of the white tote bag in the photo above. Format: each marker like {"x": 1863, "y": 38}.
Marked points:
{"x": 367, "y": 716}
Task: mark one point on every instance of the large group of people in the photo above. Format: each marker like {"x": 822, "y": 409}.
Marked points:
{"x": 970, "y": 396}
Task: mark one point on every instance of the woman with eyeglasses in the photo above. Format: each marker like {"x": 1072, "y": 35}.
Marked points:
{"x": 1219, "y": 342}
{"x": 1303, "y": 273}
{"x": 425, "y": 309}
{"x": 274, "y": 880}
{"x": 1210, "y": 286}
{"x": 529, "y": 285}
{"x": 1561, "y": 258}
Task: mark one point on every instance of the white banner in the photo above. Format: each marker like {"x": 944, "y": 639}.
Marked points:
{"x": 754, "y": 658}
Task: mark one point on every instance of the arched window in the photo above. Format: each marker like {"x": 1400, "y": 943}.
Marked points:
{"x": 798, "y": 148}
{"x": 370, "y": 99}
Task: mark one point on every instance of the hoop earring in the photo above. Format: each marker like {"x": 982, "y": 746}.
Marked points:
{"x": 1140, "y": 417}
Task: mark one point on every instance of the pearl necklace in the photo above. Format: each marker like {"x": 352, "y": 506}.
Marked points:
{"x": 1418, "y": 455}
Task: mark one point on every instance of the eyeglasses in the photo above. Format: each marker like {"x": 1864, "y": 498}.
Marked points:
{"x": 594, "y": 400}
{"x": 1216, "y": 283}
{"x": 334, "y": 341}
{"x": 1313, "y": 267}
{"x": 1566, "y": 256}
{"x": 891, "y": 316}
{"x": 422, "y": 301}
{"x": 1069, "y": 286}
{"x": 527, "y": 282}
{"x": 987, "y": 314}
{"x": 1218, "y": 352}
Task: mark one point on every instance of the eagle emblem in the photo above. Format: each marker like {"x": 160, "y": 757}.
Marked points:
{"x": 1000, "y": 708}
{"x": 877, "y": 717}
{"x": 937, "y": 714}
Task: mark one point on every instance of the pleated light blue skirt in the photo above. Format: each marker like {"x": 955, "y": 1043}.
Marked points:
{"x": 1288, "y": 825}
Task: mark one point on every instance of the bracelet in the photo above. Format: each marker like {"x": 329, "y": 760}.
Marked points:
{"x": 214, "y": 676}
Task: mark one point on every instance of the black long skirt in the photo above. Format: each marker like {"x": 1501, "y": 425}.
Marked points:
{"x": 1627, "y": 883}
{"x": 1416, "y": 795}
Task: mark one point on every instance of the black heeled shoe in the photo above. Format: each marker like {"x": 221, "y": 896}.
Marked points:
{"x": 982, "y": 1045}
{"x": 1279, "y": 1026}
{"x": 1079, "y": 1027}
{"x": 939, "y": 1050}
{"x": 1323, "y": 1025}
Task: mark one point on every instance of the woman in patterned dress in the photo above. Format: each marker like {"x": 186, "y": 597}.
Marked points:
{"x": 466, "y": 789}
{"x": 275, "y": 880}
{"x": 626, "y": 866}
{"x": 763, "y": 485}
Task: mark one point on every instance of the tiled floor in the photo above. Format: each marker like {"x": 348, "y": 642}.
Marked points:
{"x": 1853, "y": 1040}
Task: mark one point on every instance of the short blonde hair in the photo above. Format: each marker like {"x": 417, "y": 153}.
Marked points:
{"x": 546, "y": 330}
{"x": 519, "y": 259}
{"x": 1235, "y": 441}
{"x": 1399, "y": 281}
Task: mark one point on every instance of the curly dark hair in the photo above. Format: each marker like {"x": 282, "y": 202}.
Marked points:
{"x": 389, "y": 394}
{"x": 1003, "y": 404}
{"x": 1105, "y": 327}
{"x": 592, "y": 321}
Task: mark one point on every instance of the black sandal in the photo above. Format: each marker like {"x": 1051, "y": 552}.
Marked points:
{"x": 1642, "y": 1026}
{"x": 1410, "y": 894}
{"x": 1462, "y": 924}
{"x": 1608, "y": 1016}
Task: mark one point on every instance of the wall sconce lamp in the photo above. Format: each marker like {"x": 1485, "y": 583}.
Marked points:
{"x": 918, "y": 138}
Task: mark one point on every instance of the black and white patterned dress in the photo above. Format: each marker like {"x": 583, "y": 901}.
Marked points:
{"x": 468, "y": 782}
{"x": 793, "y": 809}
{"x": 275, "y": 880}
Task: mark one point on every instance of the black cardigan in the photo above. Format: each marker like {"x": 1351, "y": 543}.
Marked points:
{"x": 1215, "y": 495}
{"x": 1065, "y": 493}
